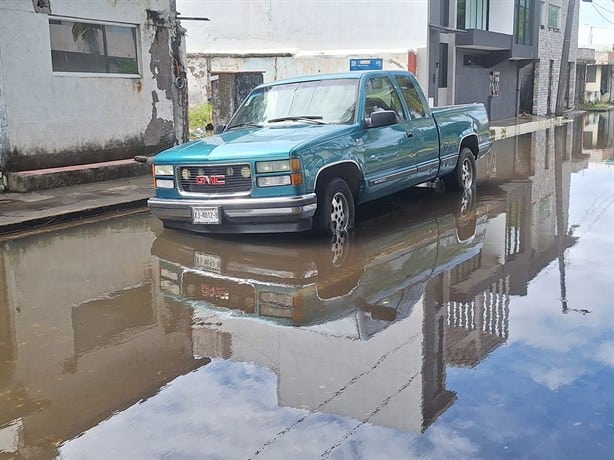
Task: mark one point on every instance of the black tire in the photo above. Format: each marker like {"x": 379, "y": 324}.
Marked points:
{"x": 335, "y": 212}
{"x": 463, "y": 176}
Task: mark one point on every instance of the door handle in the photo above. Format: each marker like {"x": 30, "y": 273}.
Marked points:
{"x": 409, "y": 133}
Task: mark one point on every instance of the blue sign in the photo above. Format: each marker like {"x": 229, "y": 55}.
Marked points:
{"x": 366, "y": 64}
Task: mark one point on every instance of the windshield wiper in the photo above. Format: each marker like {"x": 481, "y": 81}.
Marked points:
{"x": 243, "y": 125}
{"x": 309, "y": 118}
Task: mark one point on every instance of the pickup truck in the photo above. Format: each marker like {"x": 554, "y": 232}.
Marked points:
{"x": 301, "y": 154}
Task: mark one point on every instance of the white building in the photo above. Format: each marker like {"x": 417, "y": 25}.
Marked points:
{"x": 265, "y": 40}
{"x": 84, "y": 82}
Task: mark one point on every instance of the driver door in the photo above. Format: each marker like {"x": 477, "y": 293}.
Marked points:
{"x": 385, "y": 148}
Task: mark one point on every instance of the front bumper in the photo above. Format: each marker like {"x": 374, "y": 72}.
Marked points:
{"x": 240, "y": 215}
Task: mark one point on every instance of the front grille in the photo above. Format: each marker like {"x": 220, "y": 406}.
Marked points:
{"x": 215, "y": 179}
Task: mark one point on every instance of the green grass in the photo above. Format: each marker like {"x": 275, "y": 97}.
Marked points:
{"x": 198, "y": 117}
{"x": 596, "y": 105}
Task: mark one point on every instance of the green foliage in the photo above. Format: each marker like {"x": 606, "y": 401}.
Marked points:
{"x": 198, "y": 117}
{"x": 596, "y": 105}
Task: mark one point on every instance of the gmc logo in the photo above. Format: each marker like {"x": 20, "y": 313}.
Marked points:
{"x": 211, "y": 180}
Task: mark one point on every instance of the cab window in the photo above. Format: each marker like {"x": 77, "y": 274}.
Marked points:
{"x": 381, "y": 95}
{"x": 412, "y": 97}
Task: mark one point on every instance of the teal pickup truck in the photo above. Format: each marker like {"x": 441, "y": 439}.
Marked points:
{"x": 301, "y": 154}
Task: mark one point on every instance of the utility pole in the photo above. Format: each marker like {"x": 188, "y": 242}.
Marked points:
{"x": 564, "y": 72}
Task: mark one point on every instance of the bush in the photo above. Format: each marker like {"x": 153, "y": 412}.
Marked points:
{"x": 199, "y": 117}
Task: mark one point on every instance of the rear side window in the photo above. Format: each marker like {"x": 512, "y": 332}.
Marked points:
{"x": 412, "y": 97}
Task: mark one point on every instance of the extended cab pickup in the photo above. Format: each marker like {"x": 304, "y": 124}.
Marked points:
{"x": 300, "y": 154}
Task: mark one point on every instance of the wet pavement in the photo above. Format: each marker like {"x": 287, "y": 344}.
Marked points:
{"x": 445, "y": 326}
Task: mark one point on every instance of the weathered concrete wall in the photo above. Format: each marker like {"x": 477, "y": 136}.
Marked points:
{"x": 277, "y": 66}
{"x": 60, "y": 118}
{"x": 308, "y": 25}
{"x": 4, "y": 138}
{"x": 289, "y": 38}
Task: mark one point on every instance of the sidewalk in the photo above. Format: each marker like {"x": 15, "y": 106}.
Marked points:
{"x": 27, "y": 211}
{"x": 31, "y": 210}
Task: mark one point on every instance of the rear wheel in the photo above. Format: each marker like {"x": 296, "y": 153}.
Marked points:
{"x": 463, "y": 176}
{"x": 335, "y": 212}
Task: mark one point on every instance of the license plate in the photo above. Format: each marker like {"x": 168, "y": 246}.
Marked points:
{"x": 208, "y": 261}
{"x": 206, "y": 215}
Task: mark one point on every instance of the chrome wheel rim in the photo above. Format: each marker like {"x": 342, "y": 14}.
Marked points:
{"x": 338, "y": 248}
{"x": 339, "y": 212}
{"x": 467, "y": 173}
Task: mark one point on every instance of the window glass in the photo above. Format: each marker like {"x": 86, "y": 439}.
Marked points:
{"x": 553, "y": 16}
{"x": 381, "y": 95}
{"x": 92, "y": 48}
{"x": 332, "y": 101}
{"x": 412, "y": 97}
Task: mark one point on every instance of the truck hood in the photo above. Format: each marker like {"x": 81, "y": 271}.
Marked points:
{"x": 252, "y": 143}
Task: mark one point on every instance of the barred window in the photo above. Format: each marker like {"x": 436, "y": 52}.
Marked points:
{"x": 93, "y": 48}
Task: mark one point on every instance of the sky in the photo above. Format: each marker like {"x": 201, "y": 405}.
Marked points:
{"x": 597, "y": 13}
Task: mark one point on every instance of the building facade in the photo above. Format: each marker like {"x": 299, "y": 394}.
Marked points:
{"x": 84, "y": 82}
{"x": 505, "y": 54}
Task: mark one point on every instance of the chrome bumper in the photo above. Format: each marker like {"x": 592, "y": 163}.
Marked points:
{"x": 239, "y": 211}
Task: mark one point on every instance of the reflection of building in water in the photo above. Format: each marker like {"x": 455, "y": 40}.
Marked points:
{"x": 81, "y": 340}
{"x": 372, "y": 350}
{"x": 395, "y": 379}
{"x": 528, "y": 200}
{"x": 598, "y": 136}
{"x": 477, "y": 327}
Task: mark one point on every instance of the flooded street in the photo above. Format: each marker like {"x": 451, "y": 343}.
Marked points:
{"x": 444, "y": 326}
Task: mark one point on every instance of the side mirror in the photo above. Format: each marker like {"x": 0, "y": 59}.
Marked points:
{"x": 219, "y": 129}
{"x": 381, "y": 118}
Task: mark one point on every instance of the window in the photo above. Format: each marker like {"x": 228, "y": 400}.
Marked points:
{"x": 381, "y": 95}
{"x": 443, "y": 65}
{"x": 522, "y": 29}
{"x": 553, "y": 17}
{"x": 591, "y": 74}
{"x": 412, "y": 97}
{"x": 472, "y": 14}
{"x": 542, "y": 14}
{"x": 92, "y": 48}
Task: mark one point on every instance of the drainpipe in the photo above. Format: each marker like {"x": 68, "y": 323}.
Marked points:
{"x": 564, "y": 72}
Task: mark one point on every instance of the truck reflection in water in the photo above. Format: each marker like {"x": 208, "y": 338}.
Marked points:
{"x": 370, "y": 310}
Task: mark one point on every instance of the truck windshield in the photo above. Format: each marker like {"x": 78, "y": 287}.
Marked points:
{"x": 327, "y": 101}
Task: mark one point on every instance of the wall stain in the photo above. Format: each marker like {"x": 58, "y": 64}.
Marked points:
{"x": 42, "y": 6}
{"x": 158, "y": 130}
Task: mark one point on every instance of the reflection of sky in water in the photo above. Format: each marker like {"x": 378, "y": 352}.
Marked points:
{"x": 230, "y": 410}
{"x": 545, "y": 394}
{"x": 548, "y": 392}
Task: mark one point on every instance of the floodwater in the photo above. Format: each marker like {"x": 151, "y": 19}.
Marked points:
{"x": 475, "y": 326}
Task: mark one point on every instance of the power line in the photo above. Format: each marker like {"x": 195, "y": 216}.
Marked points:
{"x": 603, "y": 7}
{"x": 601, "y": 14}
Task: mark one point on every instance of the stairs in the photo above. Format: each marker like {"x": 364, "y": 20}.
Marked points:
{"x": 43, "y": 179}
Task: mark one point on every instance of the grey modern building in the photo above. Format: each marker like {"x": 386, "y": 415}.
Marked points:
{"x": 506, "y": 54}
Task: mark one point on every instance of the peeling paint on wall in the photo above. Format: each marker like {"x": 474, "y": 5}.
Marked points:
{"x": 158, "y": 129}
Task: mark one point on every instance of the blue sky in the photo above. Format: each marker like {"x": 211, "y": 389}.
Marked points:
{"x": 589, "y": 13}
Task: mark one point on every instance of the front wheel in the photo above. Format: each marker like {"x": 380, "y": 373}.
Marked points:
{"x": 463, "y": 176}
{"x": 335, "y": 212}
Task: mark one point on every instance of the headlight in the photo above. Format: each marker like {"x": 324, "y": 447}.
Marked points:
{"x": 163, "y": 170}
{"x": 293, "y": 164}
